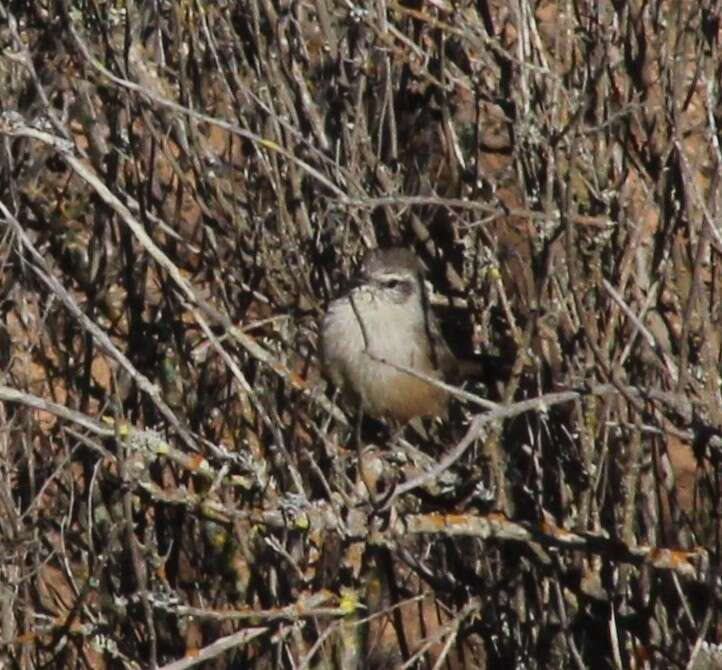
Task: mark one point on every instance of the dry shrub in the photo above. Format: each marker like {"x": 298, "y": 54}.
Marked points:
{"x": 185, "y": 185}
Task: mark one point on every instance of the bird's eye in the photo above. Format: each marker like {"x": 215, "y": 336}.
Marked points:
{"x": 392, "y": 283}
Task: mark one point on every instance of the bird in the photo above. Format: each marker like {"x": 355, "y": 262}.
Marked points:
{"x": 383, "y": 326}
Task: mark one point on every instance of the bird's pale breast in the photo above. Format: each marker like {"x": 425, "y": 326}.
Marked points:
{"x": 362, "y": 358}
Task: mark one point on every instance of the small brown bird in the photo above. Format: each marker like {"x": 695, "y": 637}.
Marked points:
{"x": 383, "y": 324}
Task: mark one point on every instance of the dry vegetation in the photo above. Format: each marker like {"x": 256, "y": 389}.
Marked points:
{"x": 183, "y": 186}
